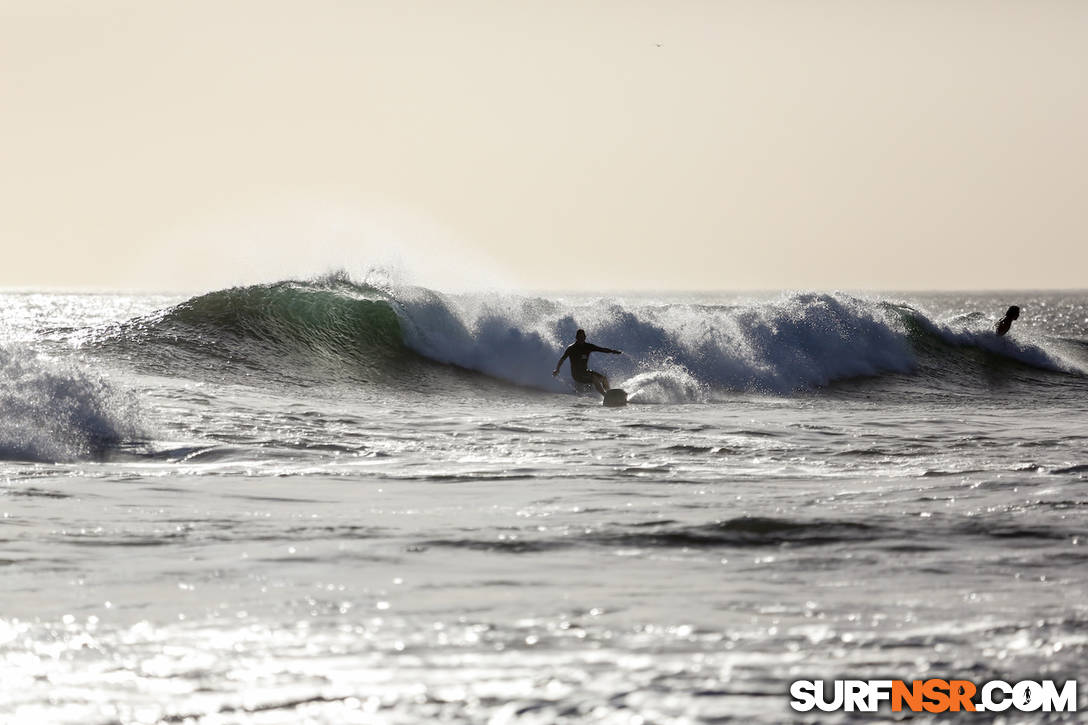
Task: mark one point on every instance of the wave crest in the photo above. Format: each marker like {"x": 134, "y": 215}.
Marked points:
{"x": 675, "y": 351}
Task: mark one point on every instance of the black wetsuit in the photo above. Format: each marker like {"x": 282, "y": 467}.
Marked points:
{"x": 579, "y": 360}
{"x": 1006, "y": 322}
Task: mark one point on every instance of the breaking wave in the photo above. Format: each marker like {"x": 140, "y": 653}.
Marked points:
{"x": 56, "y": 412}
{"x": 675, "y": 352}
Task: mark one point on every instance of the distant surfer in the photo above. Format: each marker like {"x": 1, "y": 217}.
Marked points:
{"x": 1005, "y": 322}
{"x": 578, "y": 353}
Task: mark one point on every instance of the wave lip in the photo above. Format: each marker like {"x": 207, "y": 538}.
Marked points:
{"x": 53, "y": 412}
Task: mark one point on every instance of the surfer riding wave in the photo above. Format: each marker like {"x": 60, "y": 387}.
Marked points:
{"x": 578, "y": 352}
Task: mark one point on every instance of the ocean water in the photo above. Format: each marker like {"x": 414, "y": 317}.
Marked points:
{"x": 328, "y": 501}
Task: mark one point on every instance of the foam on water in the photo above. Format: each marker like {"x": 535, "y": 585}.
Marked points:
{"x": 793, "y": 343}
{"x": 796, "y": 342}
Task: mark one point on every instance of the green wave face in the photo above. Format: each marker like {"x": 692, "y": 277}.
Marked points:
{"x": 291, "y": 331}
{"x": 297, "y": 314}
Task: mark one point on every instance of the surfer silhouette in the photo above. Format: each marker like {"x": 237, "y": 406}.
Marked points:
{"x": 578, "y": 352}
{"x": 1005, "y": 322}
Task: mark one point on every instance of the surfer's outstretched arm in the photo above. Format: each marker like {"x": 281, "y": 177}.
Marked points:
{"x": 609, "y": 350}
{"x": 560, "y": 363}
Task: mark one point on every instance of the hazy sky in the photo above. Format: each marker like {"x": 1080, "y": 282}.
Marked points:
{"x": 562, "y": 145}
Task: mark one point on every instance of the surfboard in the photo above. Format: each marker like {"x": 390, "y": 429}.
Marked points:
{"x": 615, "y": 398}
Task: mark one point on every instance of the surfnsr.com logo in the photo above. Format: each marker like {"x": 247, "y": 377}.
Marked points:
{"x": 934, "y": 695}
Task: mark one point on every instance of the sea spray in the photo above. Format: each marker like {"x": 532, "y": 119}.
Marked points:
{"x": 52, "y": 411}
{"x": 794, "y": 343}
{"x": 665, "y": 384}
